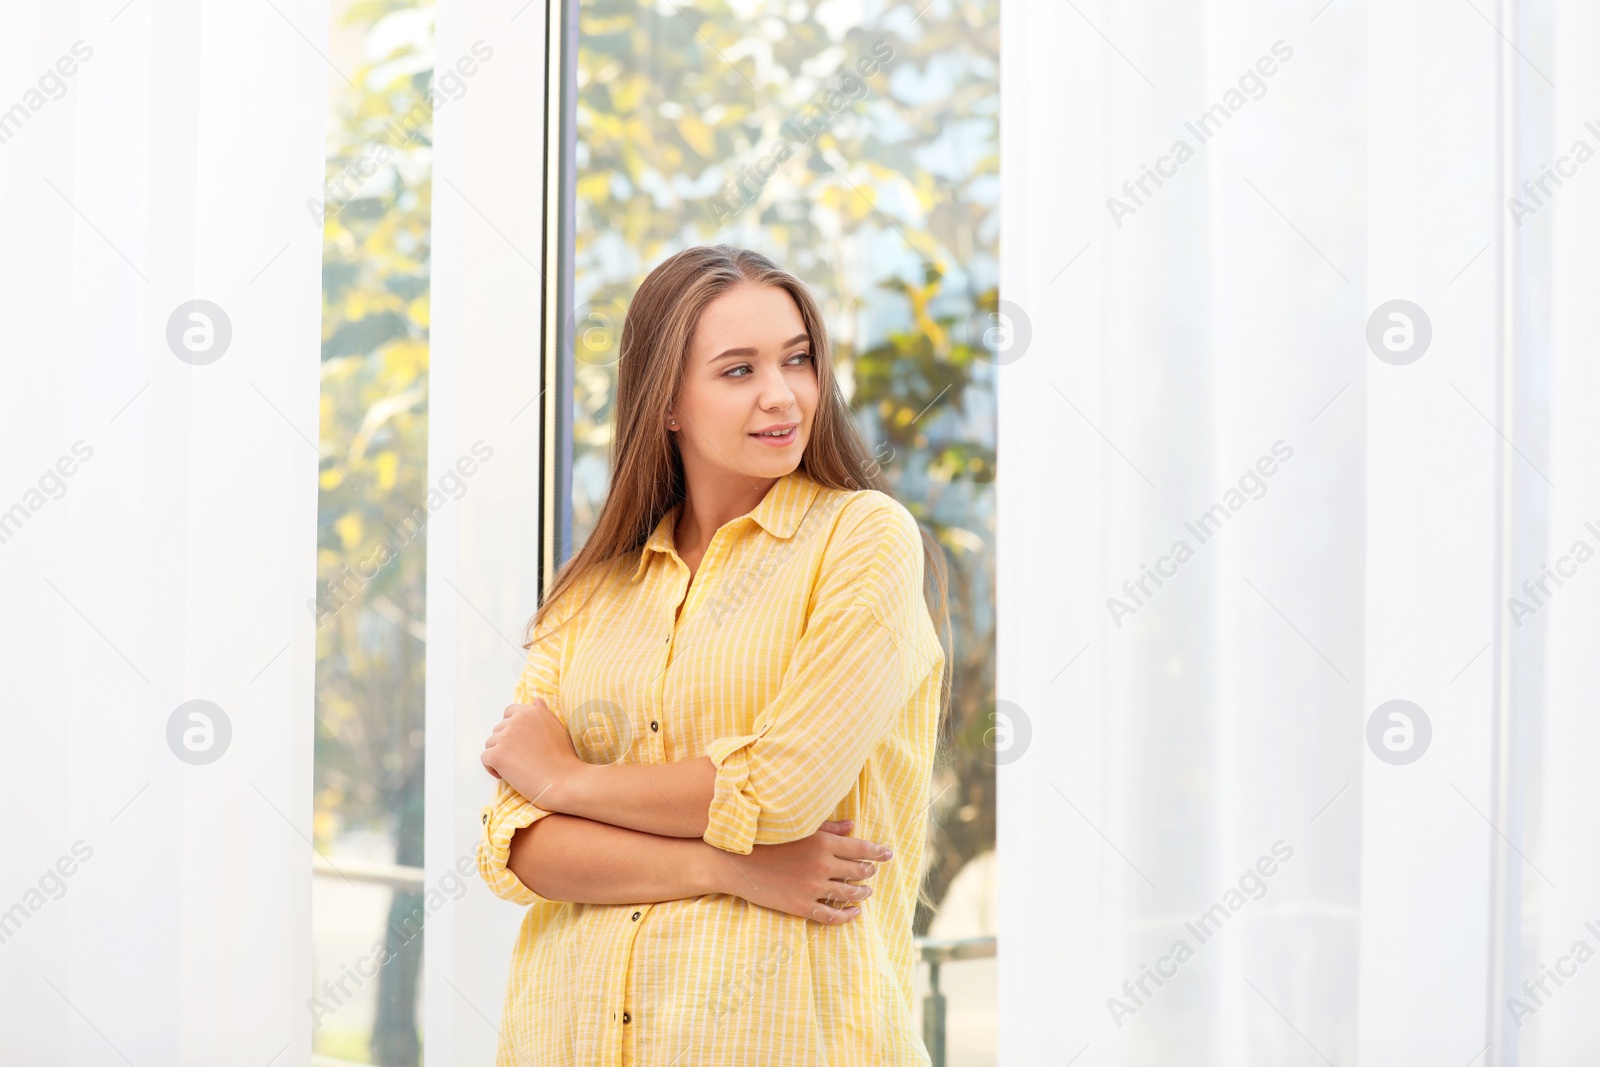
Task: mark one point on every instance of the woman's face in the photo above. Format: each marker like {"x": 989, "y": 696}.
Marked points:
{"x": 750, "y": 369}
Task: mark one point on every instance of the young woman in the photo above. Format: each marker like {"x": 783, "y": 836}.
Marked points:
{"x": 729, "y": 714}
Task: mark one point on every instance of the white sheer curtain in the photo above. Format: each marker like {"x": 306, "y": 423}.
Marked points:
{"x": 1200, "y": 346}
{"x": 158, "y": 489}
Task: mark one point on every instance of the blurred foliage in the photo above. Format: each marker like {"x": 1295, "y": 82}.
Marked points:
{"x": 889, "y": 212}
{"x": 374, "y": 421}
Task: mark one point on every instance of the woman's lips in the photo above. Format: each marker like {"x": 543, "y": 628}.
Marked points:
{"x": 778, "y": 442}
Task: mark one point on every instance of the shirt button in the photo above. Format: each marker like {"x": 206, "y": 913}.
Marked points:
{"x": 486, "y": 817}
{"x": 654, "y": 726}
{"x": 636, "y": 916}
{"x": 627, "y": 1018}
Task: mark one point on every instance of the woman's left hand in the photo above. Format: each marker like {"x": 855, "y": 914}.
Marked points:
{"x": 532, "y": 752}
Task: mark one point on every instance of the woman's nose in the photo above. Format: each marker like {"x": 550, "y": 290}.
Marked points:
{"x": 776, "y": 395}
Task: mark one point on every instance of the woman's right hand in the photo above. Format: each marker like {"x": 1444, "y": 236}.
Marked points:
{"x": 811, "y": 877}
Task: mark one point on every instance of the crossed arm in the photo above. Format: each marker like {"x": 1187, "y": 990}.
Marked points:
{"x": 534, "y": 852}
{"x": 615, "y": 834}
{"x": 532, "y": 751}
{"x": 855, "y": 667}
{"x": 623, "y": 834}
{"x": 561, "y": 857}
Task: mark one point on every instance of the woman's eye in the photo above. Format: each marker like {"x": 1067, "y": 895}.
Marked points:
{"x": 804, "y": 357}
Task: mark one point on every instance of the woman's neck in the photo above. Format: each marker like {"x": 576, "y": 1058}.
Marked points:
{"x": 706, "y": 509}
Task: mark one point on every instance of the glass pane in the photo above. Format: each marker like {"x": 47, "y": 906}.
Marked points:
{"x": 366, "y": 1002}
{"x": 856, "y": 143}
{"x": 375, "y": 219}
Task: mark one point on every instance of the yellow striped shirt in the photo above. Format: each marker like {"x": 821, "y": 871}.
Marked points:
{"x": 805, "y": 665}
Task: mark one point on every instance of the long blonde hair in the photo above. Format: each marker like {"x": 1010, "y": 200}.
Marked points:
{"x": 647, "y": 477}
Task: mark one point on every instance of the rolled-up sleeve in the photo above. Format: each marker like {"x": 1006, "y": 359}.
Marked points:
{"x": 510, "y": 811}
{"x": 867, "y": 646}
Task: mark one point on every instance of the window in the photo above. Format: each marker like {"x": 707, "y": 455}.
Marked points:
{"x": 857, "y": 145}
{"x": 372, "y": 534}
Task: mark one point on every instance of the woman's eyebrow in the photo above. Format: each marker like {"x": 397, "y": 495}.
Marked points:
{"x": 750, "y": 351}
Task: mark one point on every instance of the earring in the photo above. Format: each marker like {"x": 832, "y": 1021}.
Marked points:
{"x": 672, "y": 422}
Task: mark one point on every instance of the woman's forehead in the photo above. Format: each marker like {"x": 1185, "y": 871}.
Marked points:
{"x": 748, "y": 315}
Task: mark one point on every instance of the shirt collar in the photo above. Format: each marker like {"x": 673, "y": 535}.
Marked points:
{"x": 779, "y": 513}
